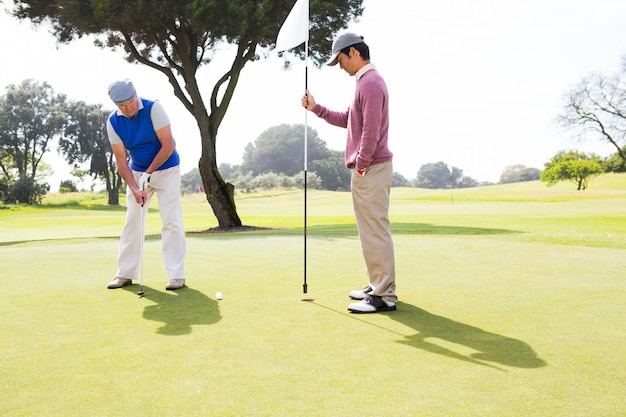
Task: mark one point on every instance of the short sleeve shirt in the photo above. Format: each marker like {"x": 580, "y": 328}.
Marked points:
{"x": 157, "y": 115}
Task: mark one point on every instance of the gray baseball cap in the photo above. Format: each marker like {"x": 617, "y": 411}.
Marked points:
{"x": 122, "y": 91}
{"x": 343, "y": 41}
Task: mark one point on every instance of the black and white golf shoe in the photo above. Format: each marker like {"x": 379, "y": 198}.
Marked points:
{"x": 372, "y": 304}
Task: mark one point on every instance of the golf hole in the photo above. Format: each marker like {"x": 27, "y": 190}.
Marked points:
{"x": 308, "y": 300}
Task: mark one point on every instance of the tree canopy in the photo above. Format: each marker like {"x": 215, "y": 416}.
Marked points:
{"x": 519, "y": 173}
{"x": 574, "y": 166}
{"x": 615, "y": 163}
{"x": 84, "y": 139}
{"x": 438, "y": 175}
{"x": 31, "y": 115}
{"x": 280, "y": 149}
{"x": 332, "y": 171}
{"x": 176, "y": 37}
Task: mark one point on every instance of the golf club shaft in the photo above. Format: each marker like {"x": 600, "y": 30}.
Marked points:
{"x": 141, "y": 260}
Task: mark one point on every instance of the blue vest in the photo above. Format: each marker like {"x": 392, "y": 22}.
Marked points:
{"x": 140, "y": 139}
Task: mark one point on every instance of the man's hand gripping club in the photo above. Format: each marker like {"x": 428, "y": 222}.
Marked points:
{"x": 144, "y": 183}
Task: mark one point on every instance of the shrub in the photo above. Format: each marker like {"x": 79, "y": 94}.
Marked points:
{"x": 26, "y": 191}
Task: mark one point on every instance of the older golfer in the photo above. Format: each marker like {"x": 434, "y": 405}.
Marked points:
{"x": 141, "y": 128}
{"x": 369, "y": 158}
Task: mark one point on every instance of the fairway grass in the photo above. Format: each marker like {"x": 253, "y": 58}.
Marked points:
{"x": 509, "y": 307}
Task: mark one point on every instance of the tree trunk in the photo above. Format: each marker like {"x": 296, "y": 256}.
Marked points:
{"x": 113, "y": 182}
{"x": 219, "y": 194}
{"x": 114, "y": 197}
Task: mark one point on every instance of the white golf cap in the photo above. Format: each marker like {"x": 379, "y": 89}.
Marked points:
{"x": 343, "y": 41}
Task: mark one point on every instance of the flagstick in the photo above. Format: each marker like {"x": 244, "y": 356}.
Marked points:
{"x": 306, "y": 87}
{"x": 292, "y": 33}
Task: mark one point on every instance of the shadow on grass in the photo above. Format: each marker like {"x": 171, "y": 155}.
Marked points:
{"x": 488, "y": 347}
{"x": 323, "y": 231}
{"x": 349, "y": 230}
{"x": 179, "y": 310}
{"x": 433, "y": 229}
{"x": 344, "y": 230}
{"x": 78, "y": 203}
{"x": 71, "y": 240}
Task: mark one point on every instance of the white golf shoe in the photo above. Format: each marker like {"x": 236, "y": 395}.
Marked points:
{"x": 175, "y": 284}
{"x": 119, "y": 283}
{"x": 360, "y": 294}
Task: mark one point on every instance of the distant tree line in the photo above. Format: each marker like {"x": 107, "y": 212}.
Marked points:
{"x": 32, "y": 115}
{"x": 276, "y": 159}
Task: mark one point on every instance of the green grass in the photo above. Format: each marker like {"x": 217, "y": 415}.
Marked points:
{"x": 511, "y": 304}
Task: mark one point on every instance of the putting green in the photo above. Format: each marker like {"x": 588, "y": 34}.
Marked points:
{"x": 506, "y": 309}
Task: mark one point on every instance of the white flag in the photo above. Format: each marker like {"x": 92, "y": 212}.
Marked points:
{"x": 295, "y": 30}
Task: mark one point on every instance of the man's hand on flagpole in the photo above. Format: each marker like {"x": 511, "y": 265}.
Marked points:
{"x": 308, "y": 102}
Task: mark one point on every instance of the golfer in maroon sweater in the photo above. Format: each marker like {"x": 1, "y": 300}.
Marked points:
{"x": 369, "y": 158}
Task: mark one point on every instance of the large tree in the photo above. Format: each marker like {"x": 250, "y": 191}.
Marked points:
{"x": 577, "y": 167}
{"x": 332, "y": 171}
{"x": 176, "y": 37}
{"x": 279, "y": 149}
{"x": 31, "y": 115}
{"x": 84, "y": 139}
{"x": 596, "y": 107}
{"x": 438, "y": 176}
{"x": 519, "y": 173}
{"x": 615, "y": 163}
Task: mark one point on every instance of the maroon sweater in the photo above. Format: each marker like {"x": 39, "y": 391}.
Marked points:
{"x": 367, "y": 120}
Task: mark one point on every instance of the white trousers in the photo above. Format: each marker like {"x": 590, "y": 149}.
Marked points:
{"x": 166, "y": 184}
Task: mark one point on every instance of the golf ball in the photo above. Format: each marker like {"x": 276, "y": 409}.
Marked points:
{"x": 218, "y": 295}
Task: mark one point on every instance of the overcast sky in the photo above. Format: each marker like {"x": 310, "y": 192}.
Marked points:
{"x": 476, "y": 84}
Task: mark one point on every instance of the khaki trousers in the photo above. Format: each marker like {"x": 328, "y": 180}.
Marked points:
{"x": 166, "y": 183}
{"x": 370, "y": 199}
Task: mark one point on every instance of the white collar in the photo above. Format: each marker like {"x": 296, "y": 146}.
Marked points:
{"x": 363, "y": 70}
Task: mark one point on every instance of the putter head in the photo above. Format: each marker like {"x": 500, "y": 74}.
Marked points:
{"x": 140, "y": 293}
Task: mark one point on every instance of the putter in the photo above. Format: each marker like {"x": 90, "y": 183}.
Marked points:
{"x": 141, "y": 292}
